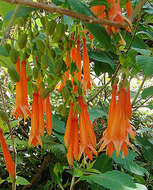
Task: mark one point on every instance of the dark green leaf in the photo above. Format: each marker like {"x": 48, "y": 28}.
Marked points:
{"x": 59, "y": 125}
{"x": 95, "y": 113}
{"x": 102, "y": 56}
{"x": 98, "y": 2}
{"x": 129, "y": 164}
{"x": 113, "y": 180}
{"x": 96, "y": 29}
{"x": 147, "y": 147}
{"x": 103, "y": 163}
{"x": 3, "y": 51}
{"x": 137, "y": 43}
{"x": 147, "y": 92}
{"x": 146, "y": 64}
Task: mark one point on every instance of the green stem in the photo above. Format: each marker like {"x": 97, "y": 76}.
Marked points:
{"x": 140, "y": 88}
{"x": 72, "y": 183}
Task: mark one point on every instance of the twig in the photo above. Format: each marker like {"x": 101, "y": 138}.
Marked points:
{"x": 140, "y": 88}
{"x": 135, "y": 31}
{"x": 39, "y": 173}
{"x": 12, "y": 138}
{"x": 103, "y": 87}
{"x": 143, "y": 103}
{"x": 89, "y": 19}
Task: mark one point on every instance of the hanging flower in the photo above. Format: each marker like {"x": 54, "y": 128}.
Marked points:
{"x": 79, "y": 123}
{"x": 22, "y": 107}
{"x": 116, "y": 135}
{"x": 87, "y": 136}
{"x": 10, "y": 165}
{"x": 71, "y": 137}
{"x": 34, "y": 137}
{"x": 39, "y": 106}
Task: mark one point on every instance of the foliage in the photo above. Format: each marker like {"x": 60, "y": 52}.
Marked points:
{"x": 43, "y": 39}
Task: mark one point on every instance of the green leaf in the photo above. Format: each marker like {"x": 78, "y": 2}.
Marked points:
{"x": 21, "y": 181}
{"x": 137, "y": 43}
{"x": 147, "y": 92}
{"x": 146, "y": 64}
{"x": 59, "y": 126}
{"x": 103, "y": 163}
{"x": 22, "y": 12}
{"x": 77, "y": 172}
{"x": 138, "y": 187}
{"x": 129, "y": 164}
{"x": 146, "y": 146}
{"x": 95, "y": 113}
{"x": 143, "y": 51}
{"x": 98, "y": 2}
{"x": 148, "y": 33}
{"x": 5, "y": 7}
{"x": 96, "y": 29}
{"x": 102, "y": 56}
{"x": 113, "y": 180}
{"x": 3, "y": 51}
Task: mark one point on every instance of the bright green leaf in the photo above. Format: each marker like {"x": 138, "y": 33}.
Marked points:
{"x": 21, "y": 181}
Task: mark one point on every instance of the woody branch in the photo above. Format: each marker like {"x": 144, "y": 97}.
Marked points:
{"x": 89, "y": 19}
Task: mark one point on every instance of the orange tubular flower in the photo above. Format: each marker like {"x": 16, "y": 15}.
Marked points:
{"x": 118, "y": 127}
{"x": 10, "y": 165}
{"x": 79, "y": 124}
{"x": 48, "y": 116}
{"x": 39, "y": 106}
{"x": 115, "y": 14}
{"x": 86, "y": 67}
{"x": 129, "y": 8}
{"x": 71, "y": 137}
{"x": 34, "y": 137}
{"x": 87, "y": 136}
{"x": 21, "y": 107}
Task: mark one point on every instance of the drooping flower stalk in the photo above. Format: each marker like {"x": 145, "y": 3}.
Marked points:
{"x": 116, "y": 135}
{"x": 10, "y": 165}
{"x": 22, "y": 108}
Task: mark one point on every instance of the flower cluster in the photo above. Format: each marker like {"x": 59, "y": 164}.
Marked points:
{"x": 79, "y": 136}
{"x": 118, "y": 127}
